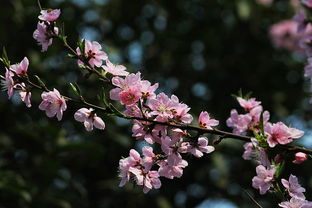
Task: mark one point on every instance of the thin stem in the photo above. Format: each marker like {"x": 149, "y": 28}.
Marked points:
{"x": 252, "y": 199}
{"x": 39, "y": 4}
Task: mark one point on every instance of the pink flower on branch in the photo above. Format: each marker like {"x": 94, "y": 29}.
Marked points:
{"x": 89, "y": 119}
{"x": 116, "y": 70}
{"x": 128, "y": 90}
{"x": 248, "y": 104}
{"x": 44, "y": 36}
{"x": 198, "y": 148}
{"x": 205, "y": 121}
{"x": 21, "y": 68}
{"x": 25, "y": 95}
{"x": 53, "y": 104}
{"x": 296, "y": 203}
{"x": 279, "y": 133}
{"x": 92, "y": 53}
{"x": 49, "y": 15}
{"x": 263, "y": 180}
{"x": 293, "y": 187}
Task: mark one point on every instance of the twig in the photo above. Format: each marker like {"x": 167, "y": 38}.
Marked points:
{"x": 252, "y": 199}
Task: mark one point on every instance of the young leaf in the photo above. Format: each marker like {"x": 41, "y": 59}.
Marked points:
{"x": 40, "y": 82}
{"x": 75, "y": 89}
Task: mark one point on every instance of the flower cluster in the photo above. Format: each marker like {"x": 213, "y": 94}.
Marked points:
{"x": 13, "y": 81}
{"x": 46, "y": 29}
{"x": 159, "y": 119}
{"x": 140, "y": 100}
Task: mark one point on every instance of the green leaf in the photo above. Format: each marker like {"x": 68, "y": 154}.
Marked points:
{"x": 75, "y": 88}
{"x": 115, "y": 110}
{"x": 40, "y": 82}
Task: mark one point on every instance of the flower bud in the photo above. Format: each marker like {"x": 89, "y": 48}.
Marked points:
{"x": 300, "y": 157}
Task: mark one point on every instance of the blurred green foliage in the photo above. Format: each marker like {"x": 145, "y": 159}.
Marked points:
{"x": 203, "y": 51}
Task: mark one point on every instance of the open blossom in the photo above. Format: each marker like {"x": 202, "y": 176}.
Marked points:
{"x": 53, "y": 104}
{"x": 149, "y": 180}
{"x": 134, "y": 160}
{"x": 116, "y": 70}
{"x": 43, "y": 36}
{"x": 199, "y": 148}
{"x": 296, "y": 203}
{"x": 25, "y": 95}
{"x": 49, "y": 15}
{"x": 93, "y": 53}
{"x": 239, "y": 122}
{"x": 205, "y": 121}
{"x": 263, "y": 180}
{"x": 248, "y": 104}
{"x": 128, "y": 90}
{"x": 169, "y": 171}
{"x": 8, "y": 83}
{"x": 148, "y": 90}
{"x": 279, "y": 133}
{"x": 293, "y": 187}
{"x": 180, "y": 110}
{"x": 300, "y": 157}
{"x": 162, "y": 106}
{"x": 20, "y": 68}
{"x": 89, "y": 119}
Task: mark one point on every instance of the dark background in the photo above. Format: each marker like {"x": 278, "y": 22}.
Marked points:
{"x": 200, "y": 50}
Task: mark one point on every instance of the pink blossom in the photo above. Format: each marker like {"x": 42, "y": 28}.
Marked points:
{"x": 21, "y": 68}
{"x": 89, "y": 119}
{"x": 180, "y": 110}
{"x": 300, "y": 157}
{"x": 263, "y": 180}
{"x": 205, "y": 121}
{"x": 143, "y": 130}
{"x": 53, "y": 103}
{"x": 134, "y": 160}
{"x": 293, "y": 187}
{"x": 8, "y": 84}
{"x": 169, "y": 171}
{"x": 25, "y": 95}
{"x": 308, "y": 3}
{"x": 249, "y": 152}
{"x": 279, "y": 133}
{"x": 43, "y": 36}
{"x": 239, "y": 122}
{"x": 148, "y": 180}
{"x": 161, "y": 106}
{"x": 149, "y": 158}
{"x": 255, "y": 114}
{"x": 301, "y": 19}
{"x": 128, "y": 90}
{"x": 148, "y": 90}
{"x": 248, "y": 104}
{"x": 133, "y": 110}
{"x": 49, "y": 15}
{"x": 285, "y": 35}
{"x": 116, "y": 70}
{"x": 93, "y": 53}
{"x": 170, "y": 146}
{"x": 199, "y": 148}
{"x": 296, "y": 203}
{"x": 130, "y": 96}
